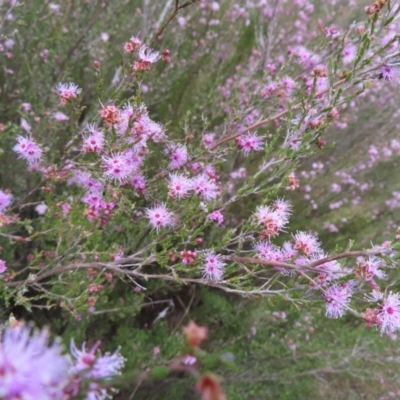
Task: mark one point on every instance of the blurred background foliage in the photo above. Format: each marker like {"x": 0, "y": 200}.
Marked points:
{"x": 281, "y": 351}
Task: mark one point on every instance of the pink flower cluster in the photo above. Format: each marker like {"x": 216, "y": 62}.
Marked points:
{"x": 213, "y": 267}
{"x": 67, "y": 92}
{"x": 273, "y": 218}
{"x": 28, "y": 149}
{"x": 36, "y": 370}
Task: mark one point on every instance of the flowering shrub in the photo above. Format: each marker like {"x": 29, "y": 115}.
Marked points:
{"x": 111, "y": 184}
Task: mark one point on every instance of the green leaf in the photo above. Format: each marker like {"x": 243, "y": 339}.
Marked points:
{"x": 159, "y": 372}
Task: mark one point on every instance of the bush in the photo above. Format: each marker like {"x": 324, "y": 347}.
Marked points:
{"x": 150, "y": 170}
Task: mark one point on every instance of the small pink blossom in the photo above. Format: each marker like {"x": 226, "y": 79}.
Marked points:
{"x": 116, "y": 167}
{"x": 388, "y": 73}
{"x": 3, "y": 266}
{"x": 179, "y": 186}
{"x": 288, "y": 85}
{"x": 133, "y": 44}
{"x": 188, "y": 256}
{"x": 67, "y": 92}
{"x": 269, "y": 90}
{"x": 25, "y": 126}
{"x": 178, "y": 155}
{"x": 104, "y": 36}
{"x": 189, "y": 360}
{"x": 213, "y": 267}
{"x": 65, "y": 207}
{"x": 329, "y": 270}
{"x": 94, "y": 141}
{"x": 147, "y": 55}
{"x": 337, "y": 300}
{"x": 249, "y": 142}
{"x": 26, "y": 106}
{"x": 389, "y": 314}
{"x": 41, "y": 209}
{"x": 349, "y": 54}
{"x": 306, "y": 243}
{"x": 160, "y": 217}
{"x": 204, "y": 187}
{"x": 370, "y": 268}
{"x": 28, "y": 149}
{"x": 269, "y": 252}
{"x": 288, "y": 251}
{"x": 59, "y": 116}
{"x": 217, "y": 217}
{"x": 156, "y": 351}
{"x": 5, "y": 200}
{"x": 283, "y": 207}
{"x": 208, "y": 140}
{"x": 272, "y": 220}
{"x": 138, "y": 182}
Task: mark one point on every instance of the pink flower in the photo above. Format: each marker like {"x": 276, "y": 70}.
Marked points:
{"x": 288, "y": 85}
{"x": 116, "y": 167}
{"x": 335, "y": 188}
{"x": 3, "y": 266}
{"x": 273, "y": 220}
{"x": 59, "y": 116}
{"x": 25, "y": 126}
{"x": 133, "y": 44}
{"x": 111, "y": 114}
{"x": 188, "y": 256}
{"x": 67, "y": 92}
{"x": 66, "y": 208}
{"x": 189, "y": 360}
{"x": 134, "y": 160}
{"x": 267, "y": 251}
{"x": 288, "y": 251}
{"x": 305, "y": 57}
{"x": 179, "y": 186}
{"x": 93, "y": 185}
{"x": 96, "y": 367}
{"x": 283, "y": 207}
{"x": 94, "y": 200}
{"x": 389, "y": 314}
{"x": 306, "y": 243}
{"x": 178, "y": 155}
{"x": 213, "y": 268}
{"x": 138, "y": 181}
{"x": 268, "y": 90}
{"x": 155, "y": 131}
{"x": 94, "y": 142}
{"x": 368, "y": 269}
{"x": 26, "y": 106}
{"x": 349, "y": 54}
{"x": 217, "y": 217}
{"x": 388, "y": 73}
{"x": 147, "y": 55}
{"x": 208, "y": 140}
{"x": 270, "y": 252}
{"x": 28, "y": 149}
{"x": 160, "y": 217}
{"x": 5, "y": 200}
{"x": 337, "y": 300}
{"x": 41, "y": 209}
{"x": 249, "y": 142}
{"x": 329, "y": 270}
{"x": 204, "y": 187}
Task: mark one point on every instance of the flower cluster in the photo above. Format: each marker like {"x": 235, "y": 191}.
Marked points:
{"x": 34, "y": 369}
{"x": 67, "y": 92}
